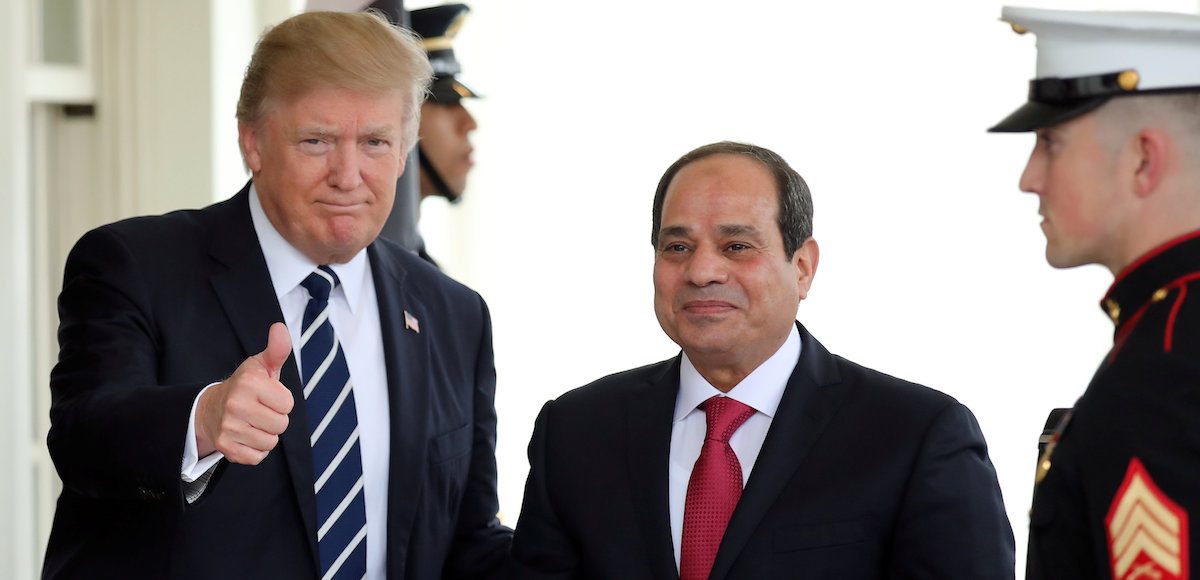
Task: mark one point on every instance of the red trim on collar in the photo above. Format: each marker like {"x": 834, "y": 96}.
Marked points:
{"x": 1169, "y": 336}
{"x": 1124, "y": 331}
{"x": 1180, "y": 283}
{"x": 1152, "y": 253}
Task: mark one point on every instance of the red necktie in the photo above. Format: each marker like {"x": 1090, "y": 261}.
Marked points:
{"x": 714, "y": 489}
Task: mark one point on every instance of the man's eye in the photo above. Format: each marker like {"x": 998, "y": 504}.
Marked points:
{"x": 377, "y": 142}
{"x": 738, "y": 247}
{"x": 314, "y": 146}
{"x": 676, "y": 248}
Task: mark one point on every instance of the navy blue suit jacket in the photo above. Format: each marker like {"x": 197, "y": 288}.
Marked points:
{"x": 155, "y": 308}
{"x": 861, "y": 476}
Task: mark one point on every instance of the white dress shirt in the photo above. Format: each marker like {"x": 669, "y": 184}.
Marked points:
{"x": 354, "y": 313}
{"x": 761, "y": 389}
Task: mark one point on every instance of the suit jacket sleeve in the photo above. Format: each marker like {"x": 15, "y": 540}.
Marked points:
{"x": 541, "y": 548}
{"x": 481, "y": 544}
{"x": 116, "y": 432}
{"x": 952, "y": 523}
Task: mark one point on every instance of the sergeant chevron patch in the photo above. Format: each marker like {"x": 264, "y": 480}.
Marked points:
{"x": 1147, "y": 532}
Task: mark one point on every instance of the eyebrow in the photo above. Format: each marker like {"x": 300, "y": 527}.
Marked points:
{"x": 322, "y": 131}
{"x": 674, "y": 232}
{"x": 316, "y": 131}
{"x": 724, "y": 230}
{"x": 733, "y": 230}
{"x": 379, "y": 131}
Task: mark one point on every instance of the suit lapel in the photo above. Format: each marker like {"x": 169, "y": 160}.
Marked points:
{"x": 809, "y": 403}
{"x": 648, "y": 440}
{"x": 248, "y": 297}
{"x": 406, "y": 358}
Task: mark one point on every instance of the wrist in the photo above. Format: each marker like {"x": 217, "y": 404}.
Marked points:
{"x": 204, "y": 442}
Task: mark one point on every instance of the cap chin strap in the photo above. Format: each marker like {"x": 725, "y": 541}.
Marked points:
{"x": 435, "y": 178}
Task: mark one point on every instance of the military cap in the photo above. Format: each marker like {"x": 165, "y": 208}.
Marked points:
{"x": 1086, "y": 58}
{"x": 437, "y": 27}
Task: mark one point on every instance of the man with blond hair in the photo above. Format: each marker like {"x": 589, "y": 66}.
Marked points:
{"x": 262, "y": 388}
{"x": 1116, "y": 109}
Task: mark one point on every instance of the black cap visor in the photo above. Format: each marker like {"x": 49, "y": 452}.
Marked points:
{"x": 1034, "y": 115}
{"x": 449, "y": 90}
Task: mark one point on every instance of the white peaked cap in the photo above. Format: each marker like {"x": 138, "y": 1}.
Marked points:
{"x": 1086, "y": 58}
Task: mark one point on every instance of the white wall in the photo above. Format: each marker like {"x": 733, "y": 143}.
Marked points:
{"x": 931, "y": 266}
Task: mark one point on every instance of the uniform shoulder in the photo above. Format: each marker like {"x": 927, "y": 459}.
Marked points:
{"x": 1179, "y": 304}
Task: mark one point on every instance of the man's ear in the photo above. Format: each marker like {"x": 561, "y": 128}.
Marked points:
{"x": 248, "y": 141}
{"x": 805, "y": 260}
{"x": 1152, "y": 147}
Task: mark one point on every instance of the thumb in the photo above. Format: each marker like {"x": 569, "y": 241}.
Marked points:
{"x": 279, "y": 346}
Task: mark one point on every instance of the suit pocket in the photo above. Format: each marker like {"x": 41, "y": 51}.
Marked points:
{"x": 450, "y": 445}
{"x": 822, "y": 535}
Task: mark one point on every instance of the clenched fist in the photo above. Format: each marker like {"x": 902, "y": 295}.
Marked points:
{"x": 243, "y": 416}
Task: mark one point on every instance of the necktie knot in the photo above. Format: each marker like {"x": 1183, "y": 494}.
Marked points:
{"x": 320, "y": 283}
{"x": 724, "y": 415}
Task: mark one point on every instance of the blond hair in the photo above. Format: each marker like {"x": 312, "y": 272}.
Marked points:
{"x": 355, "y": 51}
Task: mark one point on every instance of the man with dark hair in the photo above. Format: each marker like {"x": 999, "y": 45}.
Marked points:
{"x": 1116, "y": 109}
{"x": 755, "y": 453}
{"x": 444, "y": 149}
{"x": 262, "y": 388}
{"x": 446, "y": 124}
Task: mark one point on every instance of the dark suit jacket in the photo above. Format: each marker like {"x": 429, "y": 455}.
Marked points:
{"x": 861, "y": 475}
{"x": 155, "y": 308}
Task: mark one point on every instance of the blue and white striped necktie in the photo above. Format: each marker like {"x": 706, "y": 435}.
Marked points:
{"x": 333, "y": 433}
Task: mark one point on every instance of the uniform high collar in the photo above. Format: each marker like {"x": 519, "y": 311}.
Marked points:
{"x": 1146, "y": 279}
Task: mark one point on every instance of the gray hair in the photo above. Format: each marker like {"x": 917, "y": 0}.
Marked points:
{"x": 795, "y": 202}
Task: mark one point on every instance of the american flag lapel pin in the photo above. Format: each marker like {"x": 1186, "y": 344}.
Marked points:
{"x": 411, "y": 323}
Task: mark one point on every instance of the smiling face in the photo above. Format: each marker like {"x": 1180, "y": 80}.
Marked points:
{"x": 325, "y": 166}
{"x": 1076, "y": 176}
{"x": 724, "y": 290}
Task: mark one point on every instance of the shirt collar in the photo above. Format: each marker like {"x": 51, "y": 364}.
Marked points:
{"x": 288, "y": 266}
{"x": 761, "y": 389}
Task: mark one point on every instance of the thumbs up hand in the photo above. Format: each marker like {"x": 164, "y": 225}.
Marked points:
{"x": 243, "y": 416}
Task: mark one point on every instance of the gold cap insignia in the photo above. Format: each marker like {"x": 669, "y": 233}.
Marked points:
{"x": 1128, "y": 80}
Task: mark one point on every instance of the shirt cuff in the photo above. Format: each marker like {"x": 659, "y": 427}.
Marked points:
{"x": 193, "y": 466}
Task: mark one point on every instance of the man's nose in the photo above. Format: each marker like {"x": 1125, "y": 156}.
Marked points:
{"x": 1032, "y": 176}
{"x": 344, "y": 170}
{"x": 466, "y": 120}
{"x": 707, "y": 266}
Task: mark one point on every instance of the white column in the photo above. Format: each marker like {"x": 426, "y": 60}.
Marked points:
{"x": 154, "y": 105}
{"x": 17, "y": 547}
